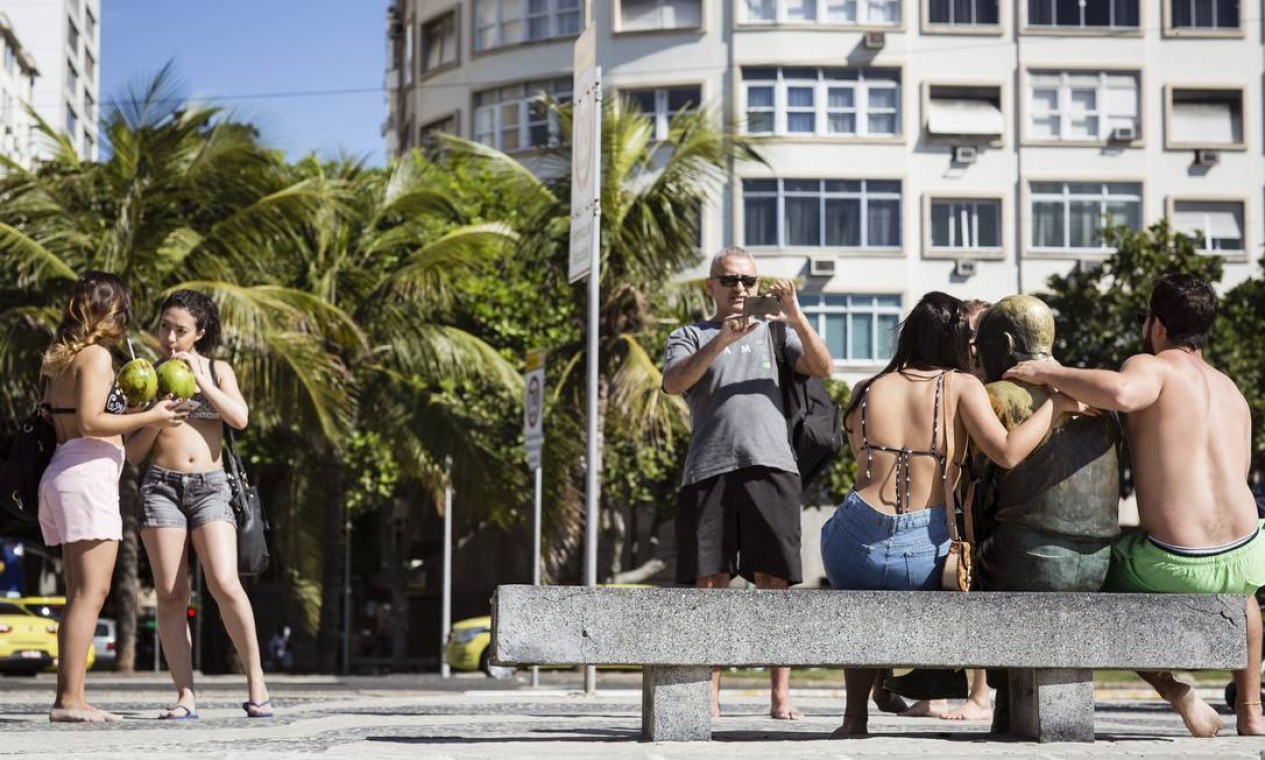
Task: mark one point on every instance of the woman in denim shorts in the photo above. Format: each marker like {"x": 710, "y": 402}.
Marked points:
{"x": 185, "y": 495}
{"x": 891, "y": 533}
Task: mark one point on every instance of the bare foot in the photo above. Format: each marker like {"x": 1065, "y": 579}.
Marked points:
{"x": 785, "y": 712}
{"x": 854, "y": 727}
{"x": 185, "y": 707}
{"x": 1249, "y": 720}
{"x": 82, "y": 714}
{"x": 969, "y": 710}
{"x": 1198, "y": 715}
{"x": 925, "y": 708}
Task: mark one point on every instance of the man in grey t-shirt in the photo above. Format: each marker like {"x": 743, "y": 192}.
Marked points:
{"x": 739, "y": 507}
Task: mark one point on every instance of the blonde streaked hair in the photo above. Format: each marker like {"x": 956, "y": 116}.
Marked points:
{"x": 98, "y": 314}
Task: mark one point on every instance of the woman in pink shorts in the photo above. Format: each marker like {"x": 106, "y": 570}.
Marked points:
{"x": 79, "y": 492}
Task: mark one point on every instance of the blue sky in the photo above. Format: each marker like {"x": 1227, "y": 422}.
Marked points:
{"x": 252, "y": 53}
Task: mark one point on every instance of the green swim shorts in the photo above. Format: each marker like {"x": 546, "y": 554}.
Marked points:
{"x": 1139, "y": 565}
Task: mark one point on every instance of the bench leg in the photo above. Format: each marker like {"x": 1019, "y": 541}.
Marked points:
{"x": 676, "y": 703}
{"x": 1048, "y": 705}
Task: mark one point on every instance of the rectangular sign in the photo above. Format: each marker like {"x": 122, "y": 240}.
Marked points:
{"x": 534, "y": 406}
{"x": 586, "y": 154}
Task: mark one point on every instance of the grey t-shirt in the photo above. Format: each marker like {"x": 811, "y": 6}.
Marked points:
{"x": 736, "y": 416}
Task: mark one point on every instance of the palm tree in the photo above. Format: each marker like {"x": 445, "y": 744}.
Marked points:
{"x": 651, "y": 197}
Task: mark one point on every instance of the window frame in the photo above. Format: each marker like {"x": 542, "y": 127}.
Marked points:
{"x": 1030, "y": 139}
{"x": 453, "y": 12}
{"x": 861, "y": 89}
{"x": 475, "y": 29}
{"x": 1170, "y": 29}
{"x": 744, "y": 23}
{"x": 864, "y": 248}
{"x": 1229, "y": 256}
{"x": 815, "y": 308}
{"x": 1047, "y": 252}
{"x": 617, "y": 22}
{"x": 525, "y": 122}
{"x": 927, "y": 26}
{"x": 661, "y": 116}
{"x": 1028, "y": 28}
{"x": 1170, "y": 143}
{"x": 1002, "y": 105}
{"x": 995, "y": 253}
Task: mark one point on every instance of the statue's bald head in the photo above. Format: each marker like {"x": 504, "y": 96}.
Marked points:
{"x": 1014, "y": 329}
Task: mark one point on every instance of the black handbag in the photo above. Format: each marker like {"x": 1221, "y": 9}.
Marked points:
{"x": 22, "y": 465}
{"x": 252, "y": 526}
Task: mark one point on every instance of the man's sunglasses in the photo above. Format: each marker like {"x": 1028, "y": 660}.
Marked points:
{"x": 730, "y": 280}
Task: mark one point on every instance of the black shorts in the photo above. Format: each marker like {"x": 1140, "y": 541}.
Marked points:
{"x": 740, "y": 523}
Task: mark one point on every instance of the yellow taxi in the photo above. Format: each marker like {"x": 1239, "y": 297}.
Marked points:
{"x": 28, "y": 643}
{"x": 49, "y": 608}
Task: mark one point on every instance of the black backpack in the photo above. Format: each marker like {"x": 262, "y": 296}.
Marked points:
{"x": 814, "y": 422}
{"x": 22, "y": 464}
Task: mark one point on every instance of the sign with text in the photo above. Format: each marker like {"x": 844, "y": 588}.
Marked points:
{"x": 586, "y": 154}
{"x": 534, "y": 406}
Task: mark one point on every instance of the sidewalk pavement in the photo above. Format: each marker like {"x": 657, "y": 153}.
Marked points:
{"x": 473, "y": 717}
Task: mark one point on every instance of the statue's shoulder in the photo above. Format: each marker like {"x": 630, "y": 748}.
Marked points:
{"x": 1014, "y": 402}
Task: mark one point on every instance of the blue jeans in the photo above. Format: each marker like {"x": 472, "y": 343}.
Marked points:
{"x": 864, "y": 549}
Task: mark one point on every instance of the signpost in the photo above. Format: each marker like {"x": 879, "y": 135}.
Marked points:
{"x": 586, "y": 261}
{"x": 534, "y": 435}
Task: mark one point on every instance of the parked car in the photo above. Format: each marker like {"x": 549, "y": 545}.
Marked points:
{"x": 49, "y": 608}
{"x": 28, "y": 643}
{"x": 104, "y": 642}
{"x": 468, "y": 642}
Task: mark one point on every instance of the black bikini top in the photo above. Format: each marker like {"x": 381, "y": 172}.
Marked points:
{"x": 115, "y": 403}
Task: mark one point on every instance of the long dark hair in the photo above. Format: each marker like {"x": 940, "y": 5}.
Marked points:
{"x": 98, "y": 312}
{"x": 935, "y": 335}
{"x": 205, "y": 314}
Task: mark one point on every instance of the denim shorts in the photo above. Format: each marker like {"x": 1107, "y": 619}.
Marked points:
{"x": 171, "y": 499}
{"x": 864, "y": 549}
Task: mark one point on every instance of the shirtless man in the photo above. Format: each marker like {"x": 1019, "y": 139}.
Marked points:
{"x": 1190, "y": 433}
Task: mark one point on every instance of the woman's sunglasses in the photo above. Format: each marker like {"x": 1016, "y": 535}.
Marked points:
{"x": 730, "y": 280}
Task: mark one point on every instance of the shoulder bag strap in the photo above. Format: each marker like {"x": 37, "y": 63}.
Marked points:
{"x": 950, "y": 493}
{"x": 230, "y": 442}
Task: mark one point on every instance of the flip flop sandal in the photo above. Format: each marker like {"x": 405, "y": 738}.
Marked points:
{"x": 264, "y": 705}
{"x": 188, "y": 714}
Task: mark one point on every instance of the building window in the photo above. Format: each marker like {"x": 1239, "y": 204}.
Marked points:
{"x": 72, "y": 122}
{"x": 508, "y": 22}
{"x": 10, "y": 59}
{"x": 1218, "y": 223}
{"x": 1206, "y": 118}
{"x": 660, "y": 104}
{"x": 439, "y": 42}
{"x": 72, "y": 36}
{"x": 833, "y": 12}
{"x": 964, "y": 12}
{"x": 831, "y": 102}
{"x": 89, "y": 109}
{"x": 649, "y": 15}
{"x": 962, "y": 223}
{"x": 822, "y": 213}
{"x": 72, "y": 78}
{"x": 858, "y": 329}
{"x": 1115, "y": 14}
{"x": 1205, "y": 14}
{"x": 1072, "y": 215}
{"x": 517, "y": 117}
{"x": 955, "y": 111}
{"x": 1071, "y": 105}
{"x": 408, "y": 53}
{"x": 89, "y": 67}
{"x": 89, "y": 26}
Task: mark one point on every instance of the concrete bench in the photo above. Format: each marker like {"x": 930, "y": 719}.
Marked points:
{"x": 1051, "y": 642}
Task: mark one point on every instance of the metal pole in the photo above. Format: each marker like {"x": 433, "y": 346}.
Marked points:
{"x": 535, "y": 555}
{"x": 347, "y": 595}
{"x": 197, "y": 620}
{"x": 446, "y": 609}
{"x": 595, "y": 294}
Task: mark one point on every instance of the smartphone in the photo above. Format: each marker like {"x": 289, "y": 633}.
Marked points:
{"x": 187, "y": 405}
{"x": 761, "y": 306}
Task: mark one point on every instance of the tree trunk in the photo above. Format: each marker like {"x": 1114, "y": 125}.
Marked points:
{"x": 127, "y": 569}
{"x": 327, "y": 634}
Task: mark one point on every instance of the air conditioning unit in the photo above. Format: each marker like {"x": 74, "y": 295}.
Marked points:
{"x": 1206, "y": 158}
{"x": 822, "y": 267}
{"x": 1124, "y": 134}
{"x": 964, "y": 268}
{"x": 875, "y": 40}
{"x": 965, "y": 154}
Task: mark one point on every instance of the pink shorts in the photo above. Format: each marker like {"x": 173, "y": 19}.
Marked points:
{"x": 79, "y": 493}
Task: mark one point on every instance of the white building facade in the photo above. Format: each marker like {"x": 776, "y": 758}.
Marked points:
{"x": 17, "y": 82}
{"x": 64, "y": 39}
{"x": 970, "y": 146}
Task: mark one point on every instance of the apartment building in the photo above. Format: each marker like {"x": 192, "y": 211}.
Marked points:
{"x": 17, "y": 80}
{"x": 971, "y": 146}
{"x": 64, "y": 39}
